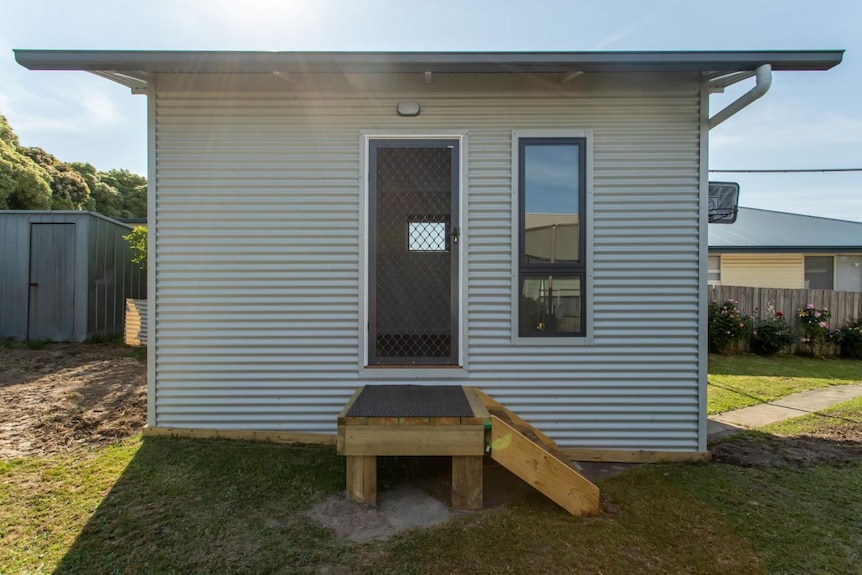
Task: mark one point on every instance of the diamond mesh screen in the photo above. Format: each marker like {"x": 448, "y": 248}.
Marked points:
{"x": 413, "y": 299}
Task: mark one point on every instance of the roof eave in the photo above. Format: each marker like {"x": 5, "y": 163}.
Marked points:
{"x": 408, "y": 62}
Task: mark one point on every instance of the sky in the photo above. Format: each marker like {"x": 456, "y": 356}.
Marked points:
{"x": 806, "y": 120}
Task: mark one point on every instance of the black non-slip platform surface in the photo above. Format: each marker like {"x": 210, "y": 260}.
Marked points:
{"x": 411, "y": 401}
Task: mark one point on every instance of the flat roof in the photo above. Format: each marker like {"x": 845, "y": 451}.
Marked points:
{"x": 216, "y": 62}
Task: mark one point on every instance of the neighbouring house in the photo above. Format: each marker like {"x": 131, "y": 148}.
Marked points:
{"x": 772, "y": 249}
{"x": 65, "y": 275}
{"x": 533, "y": 224}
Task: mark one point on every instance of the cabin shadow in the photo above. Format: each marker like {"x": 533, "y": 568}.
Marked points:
{"x": 193, "y": 505}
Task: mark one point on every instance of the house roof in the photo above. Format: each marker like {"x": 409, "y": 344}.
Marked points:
{"x": 765, "y": 231}
{"x": 134, "y": 67}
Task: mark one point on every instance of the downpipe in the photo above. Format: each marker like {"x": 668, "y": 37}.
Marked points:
{"x": 763, "y": 80}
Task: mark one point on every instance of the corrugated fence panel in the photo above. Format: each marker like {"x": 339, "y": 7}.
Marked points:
{"x": 258, "y": 284}
{"x": 135, "y": 333}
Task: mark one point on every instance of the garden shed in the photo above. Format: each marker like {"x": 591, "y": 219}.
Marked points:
{"x": 66, "y": 275}
{"x": 531, "y": 224}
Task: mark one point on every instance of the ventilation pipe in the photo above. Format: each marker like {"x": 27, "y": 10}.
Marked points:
{"x": 763, "y": 79}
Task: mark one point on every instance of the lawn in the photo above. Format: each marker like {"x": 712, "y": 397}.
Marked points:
{"x": 842, "y": 420}
{"x": 162, "y": 505}
{"x": 737, "y": 381}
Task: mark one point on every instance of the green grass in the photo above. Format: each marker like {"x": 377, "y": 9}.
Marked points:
{"x": 846, "y": 416}
{"x": 203, "y": 506}
{"x": 737, "y": 381}
{"x": 33, "y": 344}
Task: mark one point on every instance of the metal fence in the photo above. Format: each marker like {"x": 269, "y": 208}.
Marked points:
{"x": 136, "y": 322}
{"x": 761, "y": 303}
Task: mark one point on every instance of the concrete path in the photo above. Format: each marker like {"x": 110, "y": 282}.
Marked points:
{"x": 732, "y": 422}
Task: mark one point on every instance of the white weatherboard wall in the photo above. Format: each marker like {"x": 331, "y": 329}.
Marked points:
{"x": 257, "y": 233}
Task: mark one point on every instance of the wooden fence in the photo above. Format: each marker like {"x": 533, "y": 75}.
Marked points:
{"x": 136, "y": 322}
{"x": 761, "y": 303}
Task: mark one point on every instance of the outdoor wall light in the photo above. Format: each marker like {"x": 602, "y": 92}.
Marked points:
{"x": 408, "y": 109}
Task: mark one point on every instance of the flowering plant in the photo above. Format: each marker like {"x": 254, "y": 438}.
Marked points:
{"x": 771, "y": 335}
{"x": 726, "y": 325}
{"x": 849, "y": 339}
{"x": 814, "y": 327}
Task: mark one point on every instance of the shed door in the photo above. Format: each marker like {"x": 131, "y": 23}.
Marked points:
{"x": 52, "y": 282}
{"x": 413, "y": 252}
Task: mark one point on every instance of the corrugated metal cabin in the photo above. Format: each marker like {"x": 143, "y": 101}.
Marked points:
{"x": 533, "y": 224}
{"x": 65, "y": 275}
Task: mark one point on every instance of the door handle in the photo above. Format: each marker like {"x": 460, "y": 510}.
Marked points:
{"x": 456, "y": 233}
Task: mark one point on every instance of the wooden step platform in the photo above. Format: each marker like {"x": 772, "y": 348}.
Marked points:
{"x": 441, "y": 424}
{"x": 437, "y": 425}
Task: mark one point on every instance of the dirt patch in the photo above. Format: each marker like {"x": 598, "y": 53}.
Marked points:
{"x": 403, "y": 508}
{"x": 64, "y": 396}
{"x": 763, "y": 450}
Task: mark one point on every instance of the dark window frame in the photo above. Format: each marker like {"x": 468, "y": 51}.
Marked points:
{"x": 559, "y": 269}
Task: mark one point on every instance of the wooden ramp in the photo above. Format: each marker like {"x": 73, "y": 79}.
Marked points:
{"x": 536, "y": 459}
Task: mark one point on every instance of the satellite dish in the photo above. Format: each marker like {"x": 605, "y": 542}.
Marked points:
{"x": 723, "y": 202}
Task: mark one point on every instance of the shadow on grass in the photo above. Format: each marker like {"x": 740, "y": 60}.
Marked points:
{"x": 189, "y": 506}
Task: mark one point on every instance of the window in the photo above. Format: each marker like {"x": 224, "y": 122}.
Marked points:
{"x": 819, "y": 272}
{"x": 848, "y": 273}
{"x": 714, "y": 270}
{"x": 552, "y": 260}
{"x": 426, "y": 237}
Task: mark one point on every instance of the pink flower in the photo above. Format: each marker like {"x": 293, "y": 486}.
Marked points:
{"x": 824, "y": 325}
{"x": 779, "y": 314}
{"x": 741, "y": 325}
{"x": 755, "y": 332}
{"x": 811, "y": 306}
{"x": 816, "y": 314}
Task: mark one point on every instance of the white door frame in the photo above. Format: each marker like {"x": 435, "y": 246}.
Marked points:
{"x": 365, "y": 136}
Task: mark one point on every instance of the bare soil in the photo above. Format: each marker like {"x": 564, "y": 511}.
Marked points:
{"x": 764, "y": 450}
{"x": 65, "y": 396}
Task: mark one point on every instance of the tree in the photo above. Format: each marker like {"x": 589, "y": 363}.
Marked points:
{"x": 23, "y": 184}
{"x": 33, "y": 179}
{"x": 69, "y": 190}
{"x": 6, "y": 133}
{"x": 138, "y": 240}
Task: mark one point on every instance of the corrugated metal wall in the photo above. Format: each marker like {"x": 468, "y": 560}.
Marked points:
{"x": 258, "y": 267}
{"x": 785, "y": 271}
{"x": 111, "y": 277}
{"x": 104, "y": 273}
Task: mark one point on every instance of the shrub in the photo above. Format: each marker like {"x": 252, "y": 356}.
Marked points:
{"x": 727, "y": 325}
{"x": 849, "y": 339}
{"x": 771, "y": 335}
{"x": 814, "y": 328}
{"x": 138, "y": 240}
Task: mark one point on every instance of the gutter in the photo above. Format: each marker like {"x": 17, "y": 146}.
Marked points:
{"x": 716, "y": 250}
{"x": 763, "y": 80}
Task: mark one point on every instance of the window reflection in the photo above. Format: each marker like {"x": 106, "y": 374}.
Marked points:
{"x": 550, "y": 304}
{"x": 551, "y": 203}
